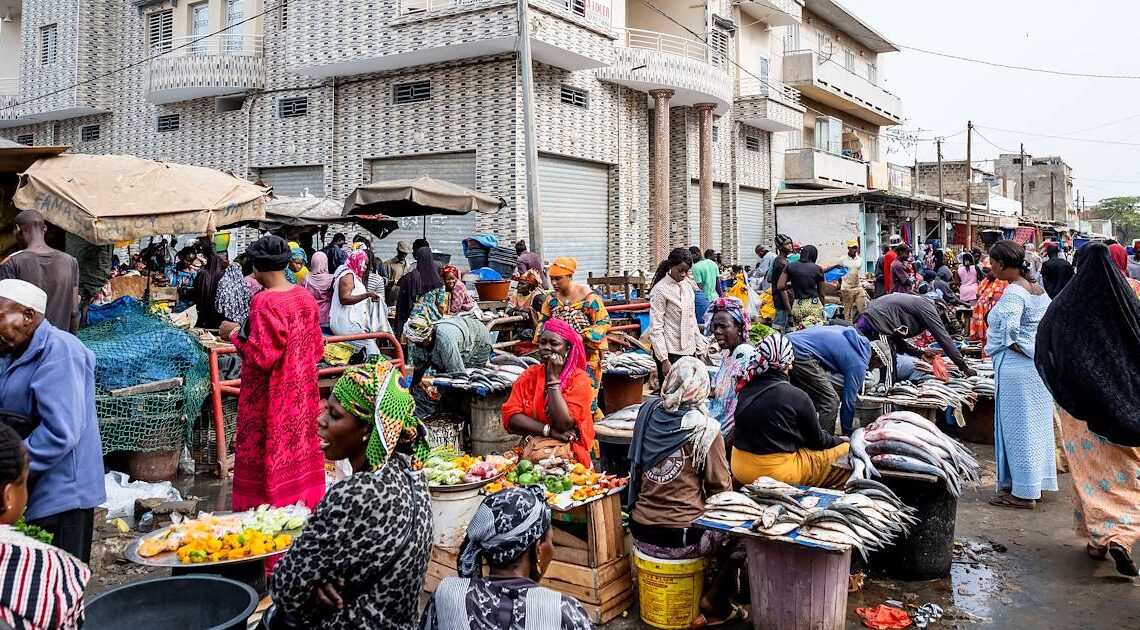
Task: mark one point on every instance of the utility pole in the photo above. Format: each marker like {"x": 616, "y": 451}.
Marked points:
{"x": 533, "y": 215}
{"x": 969, "y": 184}
{"x": 1021, "y": 186}
{"x": 941, "y": 208}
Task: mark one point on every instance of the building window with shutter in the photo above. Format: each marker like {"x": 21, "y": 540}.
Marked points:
{"x": 294, "y": 107}
{"x": 413, "y": 92}
{"x": 160, "y": 31}
{"x": 872, "y": 74}
{"x": 574, "y": 96}
{"x": 49, "y": 44}
{"x": 752, "y": 143}
{"x": 849, "y": 59}
{"x": 716, "y": 134}
{"x": 718, "y": 43}
{"x": 89, "y": 133}
{"x": 823, "y": 43}
{"x": 792, "y": 38}
{"x": 26, "y": 139}
{"x": 167, "y": 122}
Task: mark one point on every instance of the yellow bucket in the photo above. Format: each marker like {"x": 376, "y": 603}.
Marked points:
{"x": 669, "y": 590}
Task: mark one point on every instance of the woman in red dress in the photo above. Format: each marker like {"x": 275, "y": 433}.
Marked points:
{"x": 277, "y": 455}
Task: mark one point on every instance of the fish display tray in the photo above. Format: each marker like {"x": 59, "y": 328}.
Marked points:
{"x": 169, "y": 559}
{"x": 825, "y": 498}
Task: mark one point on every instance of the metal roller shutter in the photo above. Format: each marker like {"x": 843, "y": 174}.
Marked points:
{"x": 445, "y": 234}
{"x": 749, "y": 224}
{"x": 575, "y": 212}
{"x": 295, "y": 181}
{"x": 695, "y": 215}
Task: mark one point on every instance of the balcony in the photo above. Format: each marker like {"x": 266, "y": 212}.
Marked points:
{"x": 816, "y": 168}
{"x": 831, "y": 84}
{"x": 9, "y": 86}
{"x": 769, "y": 105}
{"x": 568, "y": 34}
{"x": 772, "y": 12}
{"x": 646, "y": 60}
{"x": 196, "y": 67}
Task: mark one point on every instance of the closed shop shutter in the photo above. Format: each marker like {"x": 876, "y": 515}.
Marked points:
{"x": 446, "y": 234}
{"x": 695, "y": 215}
{"x": 295, "y": 181}
{"x": 750, "y": 224}
{"x": 575, "y": 212}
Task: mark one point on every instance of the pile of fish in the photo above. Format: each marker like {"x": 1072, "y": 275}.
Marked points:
{"x": 623, "y": 419}
{"x": 500, "y": 373}
{"x": 931, "y": 392}
{"x": 868, "y": 517}
{"x": 631, "y": 363}
{"x": 905, "y": 441}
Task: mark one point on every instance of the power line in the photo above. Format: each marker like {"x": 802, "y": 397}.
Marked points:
{"x": 990, "y": 142}
{"x": 1025, "y": 68}
{"x": 1056, "y": 137}
{"x": 109, "y": 73}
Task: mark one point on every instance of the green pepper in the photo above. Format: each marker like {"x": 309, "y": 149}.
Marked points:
{"x": 197, "y": 556}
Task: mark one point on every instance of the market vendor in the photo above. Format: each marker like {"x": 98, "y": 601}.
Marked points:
{"x": 49, "y": 377}
{"x": 777, "y": 429}
{"x": 728, "y": 325}
{"x": 898, "y": 317}
{"x": 550, "y": 402}
{"x": 526, "y": 301}
{"x": 450, "y": 344}
{"x": 823, "y": 351}
{"x": 677, "y": 461}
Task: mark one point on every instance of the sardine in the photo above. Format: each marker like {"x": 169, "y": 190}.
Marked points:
{"x": 871, "y": 483}
{"x": 767, "y": 483}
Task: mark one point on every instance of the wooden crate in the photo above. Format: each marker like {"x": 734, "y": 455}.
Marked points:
{"x": 605, "y": 538}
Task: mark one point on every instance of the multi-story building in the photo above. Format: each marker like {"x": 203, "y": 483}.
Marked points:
{"x": 1047, "y": 194}
{"x": 653, "y": 117}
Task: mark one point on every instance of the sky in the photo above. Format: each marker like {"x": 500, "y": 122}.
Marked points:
{"x": 939, "y": 95}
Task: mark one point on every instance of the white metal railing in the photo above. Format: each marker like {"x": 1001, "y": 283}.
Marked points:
{"x": 672, "y": 44}
{"x": 9, "y": 86}
{"x": 596, "y": 12}
{"x": 753, "y": 86}
{"x": 227, "y": 44}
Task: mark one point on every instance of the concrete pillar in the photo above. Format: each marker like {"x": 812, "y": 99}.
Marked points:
{"x": 705, "y": 114}
{"x": 660, "y": 213}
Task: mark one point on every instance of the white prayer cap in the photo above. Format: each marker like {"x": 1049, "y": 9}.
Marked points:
{"x": 24, "y": 293}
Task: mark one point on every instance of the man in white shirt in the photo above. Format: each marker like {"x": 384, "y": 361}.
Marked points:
{"x": 763, "y": 265}
{"x": 851, "y": 292}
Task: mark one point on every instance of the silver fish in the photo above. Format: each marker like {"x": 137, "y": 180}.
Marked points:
{"x": 858, "y": 449}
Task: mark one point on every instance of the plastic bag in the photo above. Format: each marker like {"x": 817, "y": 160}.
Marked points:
{"x": 938, "y": 367}
{"x": 122, "y": 493}
{"x": 752, "y": 305}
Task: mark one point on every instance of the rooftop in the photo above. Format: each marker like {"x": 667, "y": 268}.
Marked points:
{"x": 846, "y": 21}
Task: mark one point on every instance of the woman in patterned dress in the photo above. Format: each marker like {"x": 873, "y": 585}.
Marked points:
{"x": 511, "y": 531}
{"x": 361, "y": 561}
{"x": 728, "y": 325}
{"x": 1023, "y": 407}
{"x": 1106, "y": 493}
{"x": 989, "y": 292}
{"x": 583, "y": 309}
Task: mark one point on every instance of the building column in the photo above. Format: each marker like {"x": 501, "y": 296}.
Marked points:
{"x": 705, "y": 113}
{"x": 660, "y": 221}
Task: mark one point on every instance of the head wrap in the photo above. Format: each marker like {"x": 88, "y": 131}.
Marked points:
{"x": 1119, "y": 257}
{"x": 221, "y": 241}
{"x": 417, "y": 329}
{"x": 450, "y": 269}
{"x": 320, "y": 264}
{"x": 686, "y": 384}
{"x": 269, "y": 253}
{"x": 731, "y": 305}
{"x": 530, "y": 276}
{"x": 563, "y": 266}
{"x": 945, "y": 273}
{"x": 577, "y": 356}
{"x": 426, "y": 271}
{"x": 774, "y": 352}
{"x": 299, "y": 253}
{"x": 24, "y": 293}
{"x": 374, "y": 394}
{"x": 504, "y": 527}
{"x": 782, "y": 239}
{"x": 356, "y": 262}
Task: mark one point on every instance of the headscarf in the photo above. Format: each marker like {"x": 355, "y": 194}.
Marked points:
{"x": 945, "y": 274}
{"x": 298, "y": 253}
{"x": 774, "y": 352}
{"x": 531, "y": 276}
{"x": 529, "y": 261}
{"x": 687, "y": 383}
{"x": 1119, "y": 257}
{"x": 563, "y": 266}
{"x": 319, "y": 278}
{"x": 269, "y": 253}
{"x": 374, "y": 394}
{"x": 426, "y": 270}
{"x": 577, "y": 356}
{"x": 731, "y": 305}
{"x": 356, "y": 262}
{"x": 450, "y": 269}
{"x": 504, "y": 527}
{"x": 417, "y": 329}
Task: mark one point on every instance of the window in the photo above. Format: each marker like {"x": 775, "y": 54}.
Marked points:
{"x": 752, "y": 143}
{"x": 574, "y": 96}
{"x": 764, "y": 75}
{"x": 89, "y": 133}
{"x": 792, "y": 38}
{"x": 160, "y": 31}
{"x": 26, "y": 139}
{"x": 849, "y": 59}
{"x": 829, "y": 134}
{"x": 414, "y": 92}
{"x": 167, "y": 122}
{"x": 199, "y": 27}
{"x": 49, "y": 44}
{"x": 1032, "y": 184}
{"x": 823, "y": 43}
{"x": 718, "y": 42}
{"x": 716, "y": 134}
{"x": 235, "y": 13}
{"x": 872, "y": 149}
{"x": 872, "y": 73}
{"x": 294, "y": 107}
{"x": 284, "y": 17}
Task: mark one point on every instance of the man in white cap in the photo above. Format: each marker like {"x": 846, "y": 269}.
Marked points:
{"x": 48, "y": 376}
{"x": 851, "y": 293}
{"x": 889, "y": 260}
{"x": 56, "y": 272}
{"x": 395, "y": 268}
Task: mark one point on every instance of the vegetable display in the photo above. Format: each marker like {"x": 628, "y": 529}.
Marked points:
{"x": 565, "y": 481}
{"x": 213, "y": 538}
{"x": 447, "y": 468}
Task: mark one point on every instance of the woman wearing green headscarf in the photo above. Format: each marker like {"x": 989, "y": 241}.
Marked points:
{"x": 361, "y": 560}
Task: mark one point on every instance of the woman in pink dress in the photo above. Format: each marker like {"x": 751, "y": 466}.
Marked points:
{"x": 277, "y": 455}
{"x": 969, "y": 275}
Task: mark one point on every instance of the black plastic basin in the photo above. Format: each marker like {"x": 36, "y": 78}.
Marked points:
{"x": 188, "y": 602}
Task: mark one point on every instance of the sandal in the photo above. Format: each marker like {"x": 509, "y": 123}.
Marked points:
{"x": 1004, "y": 501}
{"x": 739, "y": 613}
{"x": 1123, "y": 559}
{"x": 1096, "y": 553}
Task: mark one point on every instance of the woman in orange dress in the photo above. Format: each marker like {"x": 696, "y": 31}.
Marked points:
{"x": 989, "y": 292}
{"x": 551, "y": 401}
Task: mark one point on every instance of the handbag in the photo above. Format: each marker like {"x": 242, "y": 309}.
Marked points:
{"x": 536, "y": 449}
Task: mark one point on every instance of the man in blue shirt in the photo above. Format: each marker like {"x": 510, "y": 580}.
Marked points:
{"x": 825, "y": 350}
{"x": 48, "y": 375}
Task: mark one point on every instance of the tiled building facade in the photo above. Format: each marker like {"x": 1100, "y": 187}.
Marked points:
{"x": 390, "y": 81}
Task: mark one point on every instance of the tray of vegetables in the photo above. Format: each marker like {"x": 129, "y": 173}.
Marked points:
{"x": 568, "y": 484}
{"x": 447, "y": 471}
{"x": 221, "y": 537}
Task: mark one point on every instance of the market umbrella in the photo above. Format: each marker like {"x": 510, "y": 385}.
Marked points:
{"x": 418, "y": 197}
{"x": 310, "y": 211}
{"x": 113, "y": 198}
{"x": 15, "y": 157}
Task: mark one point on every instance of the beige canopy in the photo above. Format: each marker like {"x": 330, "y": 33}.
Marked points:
{"x": 418, "y": 197}
{"x": 284, "y": 212}
{"x": 112, "y": 198}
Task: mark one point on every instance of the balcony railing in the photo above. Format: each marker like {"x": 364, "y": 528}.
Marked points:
{"x": 831, "y": 82}
{"x": 231, "y": 44}
{"x": 596, "y": 12}
{"x": 753, "y": 86}
{"x": 672, "y": 44}
{"x": 9, "y": 86}
{"x": 816, "y": 166}
{"x": 197, "y": 67}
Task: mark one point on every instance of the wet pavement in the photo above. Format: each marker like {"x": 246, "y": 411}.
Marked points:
{"x": 1013, "y": 568}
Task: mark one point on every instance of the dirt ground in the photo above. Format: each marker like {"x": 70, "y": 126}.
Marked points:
{"x": 1013, "y": 568}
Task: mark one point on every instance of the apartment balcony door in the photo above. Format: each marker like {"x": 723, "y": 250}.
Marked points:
{"x": 235, "y": 13}
{"x": 199, "y": 27}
